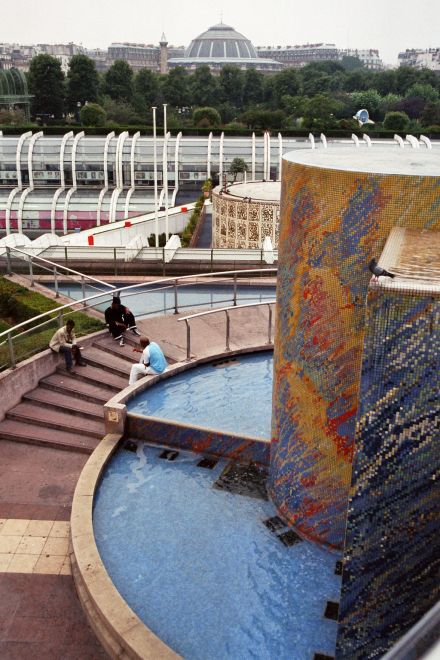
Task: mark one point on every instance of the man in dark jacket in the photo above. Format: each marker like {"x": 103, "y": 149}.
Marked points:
{"x": 119, "y": 319}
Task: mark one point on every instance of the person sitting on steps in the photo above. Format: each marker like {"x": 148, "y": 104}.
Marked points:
{"x": 119, "y": 319}
{"x": 64, "y": 341}
{"x": 152, "y": 360}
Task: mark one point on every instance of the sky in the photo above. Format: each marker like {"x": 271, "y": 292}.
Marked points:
{"x": 388, "y": 25}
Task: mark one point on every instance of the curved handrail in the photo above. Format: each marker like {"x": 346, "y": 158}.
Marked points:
{"x": 8, "y": 335}
{"x": 228, "y": 327}
{"x": 32, "y": 257}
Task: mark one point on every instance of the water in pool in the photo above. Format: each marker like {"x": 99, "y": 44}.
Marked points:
{"x": 151, "y": 301}
{"x": 235, "y": 396}
{"x": 200, "y": 567}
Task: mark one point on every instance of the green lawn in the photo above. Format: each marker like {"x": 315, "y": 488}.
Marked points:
{"x": 18, "y": 304}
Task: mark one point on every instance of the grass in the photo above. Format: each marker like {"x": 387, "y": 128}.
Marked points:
{"x": 18, "y": 304}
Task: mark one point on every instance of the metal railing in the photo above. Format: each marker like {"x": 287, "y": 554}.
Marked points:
{"x": 112, "y": 259}
{"x": 54, "y": 269}
{"x": 422, "y": 640}
{"x": 227, "y": 310}
{"x": 13, "y": 335}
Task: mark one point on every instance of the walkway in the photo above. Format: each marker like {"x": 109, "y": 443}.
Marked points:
{"x": 44, "y": 443}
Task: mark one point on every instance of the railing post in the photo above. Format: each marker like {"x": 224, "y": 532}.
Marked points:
{"x": 235, "y": 289}
{"x": 176, "y": 307}
{"x": 212, "y": 260}
{"x": 65, "y": 255}
{"x": 188, "y": 340}
{"x": 8, "y": 261}
{"x": 115, "y": 262}
{"x": 31, "y": 270}
{"x": 83, "y": 288}
{"x": 60, "y": 320}
{"x": 228, "y": 329}
{"x": 269, "y": 334}
{"x": 11, "y": 351}
{"x": 163, "y": 260}
{"x": 55, "y": 276}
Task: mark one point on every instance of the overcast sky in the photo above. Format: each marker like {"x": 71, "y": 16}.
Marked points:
{"x": 389, "y": 25}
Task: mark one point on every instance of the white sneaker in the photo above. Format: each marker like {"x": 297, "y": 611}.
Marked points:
{"x": 122, "y": 342}
{"x": 135, "y": 331}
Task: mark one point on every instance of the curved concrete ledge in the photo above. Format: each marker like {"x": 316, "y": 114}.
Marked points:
{"x": 119, "y": 629}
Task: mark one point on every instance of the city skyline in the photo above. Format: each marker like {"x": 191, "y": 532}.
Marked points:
{"x": 389, "y": 28}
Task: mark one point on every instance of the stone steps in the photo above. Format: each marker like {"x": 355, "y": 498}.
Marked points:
{"x": 18, "y": 431}
{"x": 64, "y": 402}
{"x": 93, "y": 374}
{"x": 109, "y": 363}
{"x": 28, "y": 413}
{"x": 85, "y": 391}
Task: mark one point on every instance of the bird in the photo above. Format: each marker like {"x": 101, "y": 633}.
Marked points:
{"x": 374, "y": 267}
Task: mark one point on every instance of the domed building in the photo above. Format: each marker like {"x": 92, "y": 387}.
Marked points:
{"x": 14, "y": 90}
{"x": 221, "y": 45}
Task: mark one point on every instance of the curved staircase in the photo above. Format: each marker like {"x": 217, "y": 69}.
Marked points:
{"x": 65, "y": 410}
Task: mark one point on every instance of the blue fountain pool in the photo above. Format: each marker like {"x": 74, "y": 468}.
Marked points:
{"x": 154, "y": 300}
{"x": 202, "y": 569}
{"x": 234, "y": 396}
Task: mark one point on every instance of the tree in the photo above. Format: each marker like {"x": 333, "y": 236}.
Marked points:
{"x": 320, "y": 111}
{"x": 253, "y": 92}
{"x": 358, "y": 80}
{"x": 431, "y": 114}
{"x": 424, "y": 91}
{"x": 204, "y": 87}
{"x": 350, "y": 63}
{"x": 396, "y": 121}
{"x": 413, "y": 106}
{"x": 370, "y": 100}
{"x": 237, "y": 166}
{"x": 175, "y": 88}
{"x": 118, "y": 82}
{"x": 120, "y": 112}
{"x": 82, "y": 82}
{"x": 231, "y": 81}
{"x": 146, "y": 91}
{"x": 207, "y": 116}
{"x": 286, "y": 82}
{"x": 93, "y": 114}
{"x": 46, "y": 83}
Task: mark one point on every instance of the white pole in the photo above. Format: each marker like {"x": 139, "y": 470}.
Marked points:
{"x": 165, "y": 168}
{"x": 156, "y": 208}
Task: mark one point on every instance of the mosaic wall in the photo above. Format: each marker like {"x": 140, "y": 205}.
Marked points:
{"x": 392, "y": 556}
{"x": 243, "y": 224}
{"x": 332, "y": 223}
{"x": 202, "y": 441}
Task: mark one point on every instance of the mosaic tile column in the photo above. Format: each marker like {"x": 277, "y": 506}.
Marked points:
{"x": 391, "y": 558}
{"x": 332, "y": 223}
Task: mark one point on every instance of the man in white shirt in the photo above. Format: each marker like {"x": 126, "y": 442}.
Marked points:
{"x": 152, "y": 360}
{"x": 64, "y": 341}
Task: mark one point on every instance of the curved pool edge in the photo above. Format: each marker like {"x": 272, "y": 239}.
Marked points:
{"x": 120, "y": 631}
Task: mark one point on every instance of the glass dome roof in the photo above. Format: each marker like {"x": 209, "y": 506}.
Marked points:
{"x": 221, "y": 41}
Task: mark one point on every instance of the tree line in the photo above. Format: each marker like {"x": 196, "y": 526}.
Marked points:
{"x": 320, "y": 96}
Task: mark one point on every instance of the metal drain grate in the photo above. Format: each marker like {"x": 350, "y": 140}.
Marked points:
{"x": 242, "y": 479}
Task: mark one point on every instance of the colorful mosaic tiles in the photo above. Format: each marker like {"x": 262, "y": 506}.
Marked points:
{"x": 332, "y": 223}
{"x": 391, "y": 564}
{"x": 204, "y": 441}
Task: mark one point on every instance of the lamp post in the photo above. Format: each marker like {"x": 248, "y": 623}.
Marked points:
{"x": 165, "y": 169}
{"x": 78, "y": 111}
{"x": 156, "y": 210}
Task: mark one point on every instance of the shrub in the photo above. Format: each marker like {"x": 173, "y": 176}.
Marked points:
{"x": 396, "y": 121}
{"x": 206, "y": 117}
{"x": 93, "y": 114}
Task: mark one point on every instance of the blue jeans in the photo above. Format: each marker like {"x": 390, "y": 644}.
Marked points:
{"x": 67, "y": 352}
